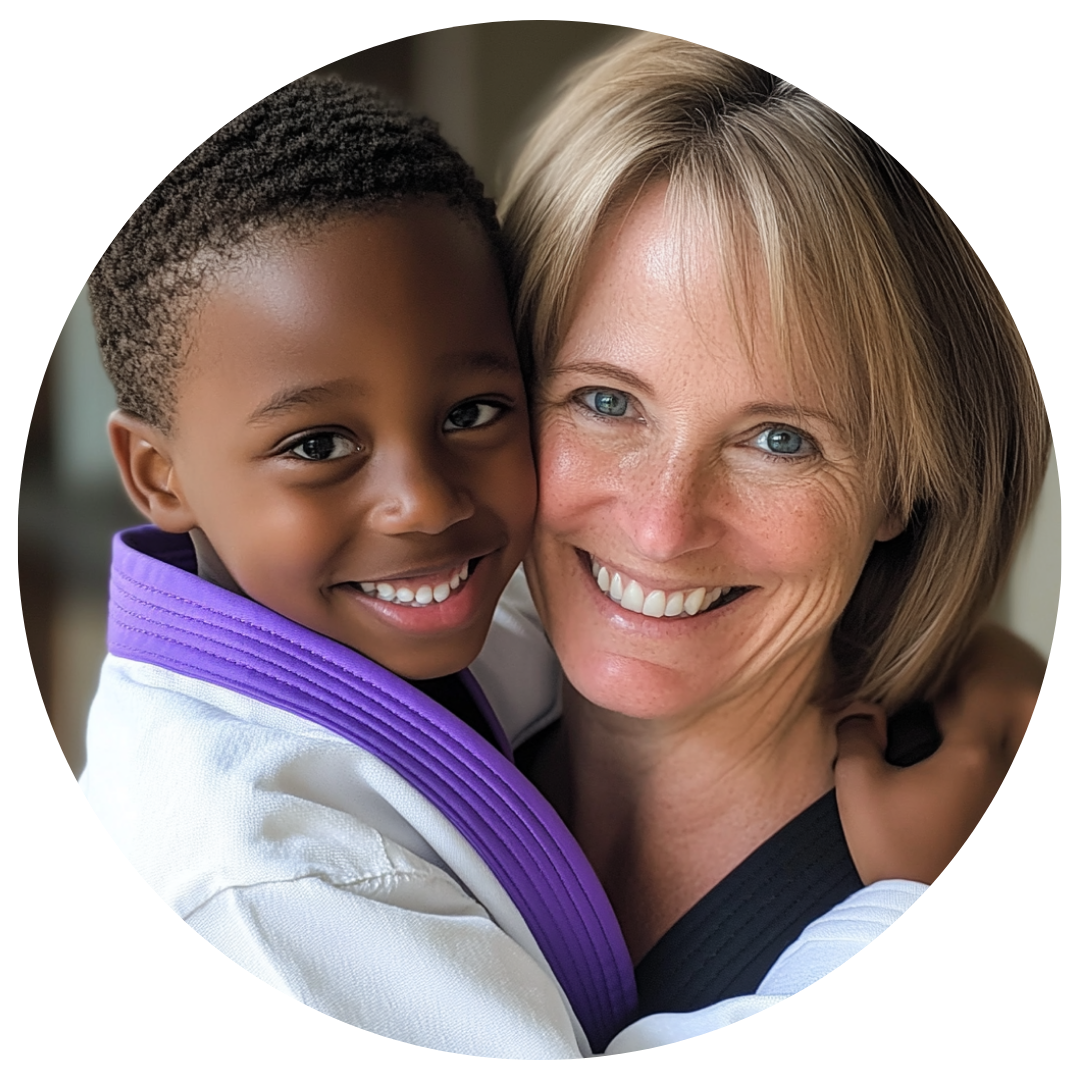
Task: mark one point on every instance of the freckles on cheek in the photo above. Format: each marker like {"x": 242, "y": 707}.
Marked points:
{"x": 563, "y": 472}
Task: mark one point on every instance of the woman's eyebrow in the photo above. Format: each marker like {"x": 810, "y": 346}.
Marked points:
{"x": 600, "y": 370}
{"x": 787, "y": 410}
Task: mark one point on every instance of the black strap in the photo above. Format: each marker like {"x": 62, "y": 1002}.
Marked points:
{"x": 725, "y": 944}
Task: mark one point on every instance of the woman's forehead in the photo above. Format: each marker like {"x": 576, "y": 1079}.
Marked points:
{"x": 660, "y": 261}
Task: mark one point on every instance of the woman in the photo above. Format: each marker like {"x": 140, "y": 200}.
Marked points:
{"x": 787, "y": 438}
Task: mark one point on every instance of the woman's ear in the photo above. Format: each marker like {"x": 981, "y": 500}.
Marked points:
{"x": 892, "y": 525}
{"x": 890, "y": 528}
{"x": 143, "y": 456}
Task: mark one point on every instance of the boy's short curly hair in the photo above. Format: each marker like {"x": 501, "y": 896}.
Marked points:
{"x": 312, "y": 151}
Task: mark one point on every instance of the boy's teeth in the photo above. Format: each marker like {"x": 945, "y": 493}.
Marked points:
{"x": 421, "y": 597}
{"x": 657, "y": 604}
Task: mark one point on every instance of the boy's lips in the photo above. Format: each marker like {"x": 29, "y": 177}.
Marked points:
{"x": 419, "y": 590}
{"x": 432, "y": 601}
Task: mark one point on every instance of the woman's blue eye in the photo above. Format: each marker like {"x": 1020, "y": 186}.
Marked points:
{"x": 323, "y": 446}
{"x": 781, "y": 440}
{"x": 607, "y": 402}
{"x": 472, "y": 414}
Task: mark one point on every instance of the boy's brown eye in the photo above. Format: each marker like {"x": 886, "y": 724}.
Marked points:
{"x": 322, "y": 446}
{"x": 472, "y": 414}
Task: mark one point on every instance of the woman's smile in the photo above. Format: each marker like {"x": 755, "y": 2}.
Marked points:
{"x": 671, "y": 602}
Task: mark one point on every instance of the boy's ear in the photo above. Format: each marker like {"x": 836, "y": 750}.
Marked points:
{"x": 143, "y": 457}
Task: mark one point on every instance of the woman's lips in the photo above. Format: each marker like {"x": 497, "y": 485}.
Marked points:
{"x": 629, "y": 594}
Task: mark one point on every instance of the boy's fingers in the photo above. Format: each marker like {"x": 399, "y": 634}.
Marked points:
{"x": 993, "y": 695}
{"x": 861, "y": 746}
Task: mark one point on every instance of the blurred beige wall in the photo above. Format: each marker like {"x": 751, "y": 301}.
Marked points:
{"x": 483, "y": 84}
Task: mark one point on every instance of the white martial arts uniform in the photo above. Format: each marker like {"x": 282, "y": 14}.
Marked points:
{"x": 318, "y": 868}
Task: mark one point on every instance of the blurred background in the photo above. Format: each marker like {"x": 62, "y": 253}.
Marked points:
{"x": 483, "y": 84}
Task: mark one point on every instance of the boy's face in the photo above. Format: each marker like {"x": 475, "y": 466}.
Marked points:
{"x": 351, "y": 436}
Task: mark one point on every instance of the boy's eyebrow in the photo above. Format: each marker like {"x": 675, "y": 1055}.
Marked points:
{"x": 296, "y": 397}
{"x": 498, "y": 362}
{"x": 292, "y": 398}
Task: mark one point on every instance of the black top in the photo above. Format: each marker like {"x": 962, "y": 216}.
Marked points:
{"x": 452, "y": 694}
{"x": 725, "y": 944}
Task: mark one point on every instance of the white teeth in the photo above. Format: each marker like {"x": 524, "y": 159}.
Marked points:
{"x": 692, "y": 603}
{"x": 657, "y": 604}
{"x": 633, "y": 597}
{"x": 421, "y": 597}
{"x": 615, "y": 592}
{"x": 654, "y": 604}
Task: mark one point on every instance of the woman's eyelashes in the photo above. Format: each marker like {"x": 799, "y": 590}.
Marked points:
{"x": 607, "y": 403}
{"x": 783, "y": 442}
{"x": 780, "y": 441}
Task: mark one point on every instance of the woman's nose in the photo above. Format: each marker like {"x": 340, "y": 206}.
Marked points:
{"x": 670, "y": 509}
{"x": 411, "y": 492}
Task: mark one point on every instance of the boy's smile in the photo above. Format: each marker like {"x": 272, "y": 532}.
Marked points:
{"x": 350, "y": 445}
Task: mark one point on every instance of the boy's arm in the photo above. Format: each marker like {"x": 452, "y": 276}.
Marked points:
{"x": 910, "y": 822}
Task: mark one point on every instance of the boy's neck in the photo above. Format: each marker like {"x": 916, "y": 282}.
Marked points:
{"x": 210, "y": 567}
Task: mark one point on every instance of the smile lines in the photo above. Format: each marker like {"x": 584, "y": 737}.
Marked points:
{"x": 656, "y": 603}
{"x": 421, "y": 597}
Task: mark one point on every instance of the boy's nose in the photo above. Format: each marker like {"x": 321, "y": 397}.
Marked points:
{"x": 412, "y": 494}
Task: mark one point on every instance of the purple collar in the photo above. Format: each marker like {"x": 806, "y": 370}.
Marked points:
{"x": 161, "y": 613}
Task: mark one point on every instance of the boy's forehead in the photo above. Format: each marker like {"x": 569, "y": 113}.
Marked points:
{"x": 427, "y": 250}
{"x": 420, "y": 285}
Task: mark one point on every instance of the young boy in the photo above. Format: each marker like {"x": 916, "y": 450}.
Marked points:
{"x": 322, "y": 413}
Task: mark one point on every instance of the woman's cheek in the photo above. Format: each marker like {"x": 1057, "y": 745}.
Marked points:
{"x": 569, "y": 471}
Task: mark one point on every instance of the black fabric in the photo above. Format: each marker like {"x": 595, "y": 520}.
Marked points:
{"x": 725, "y": 944}
{"x": 452, "y": 694}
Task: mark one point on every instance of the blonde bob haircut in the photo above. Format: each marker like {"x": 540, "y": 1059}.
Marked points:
{"x": 902, "y": 330}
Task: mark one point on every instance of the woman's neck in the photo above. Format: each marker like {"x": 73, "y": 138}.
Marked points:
{"x": 664, "y": 809}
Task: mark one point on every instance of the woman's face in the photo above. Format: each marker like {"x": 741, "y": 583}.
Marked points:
{"x": 703, "y": 519}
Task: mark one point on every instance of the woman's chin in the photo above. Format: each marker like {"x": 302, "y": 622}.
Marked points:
{"x": 636, "y": 687}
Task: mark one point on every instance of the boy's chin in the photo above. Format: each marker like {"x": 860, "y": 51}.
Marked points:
{"x": 423, "y": 657}
{"x": 419, "y": 668}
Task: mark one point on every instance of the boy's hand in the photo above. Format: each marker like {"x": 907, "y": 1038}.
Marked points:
{"x": 910, "y": 822}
